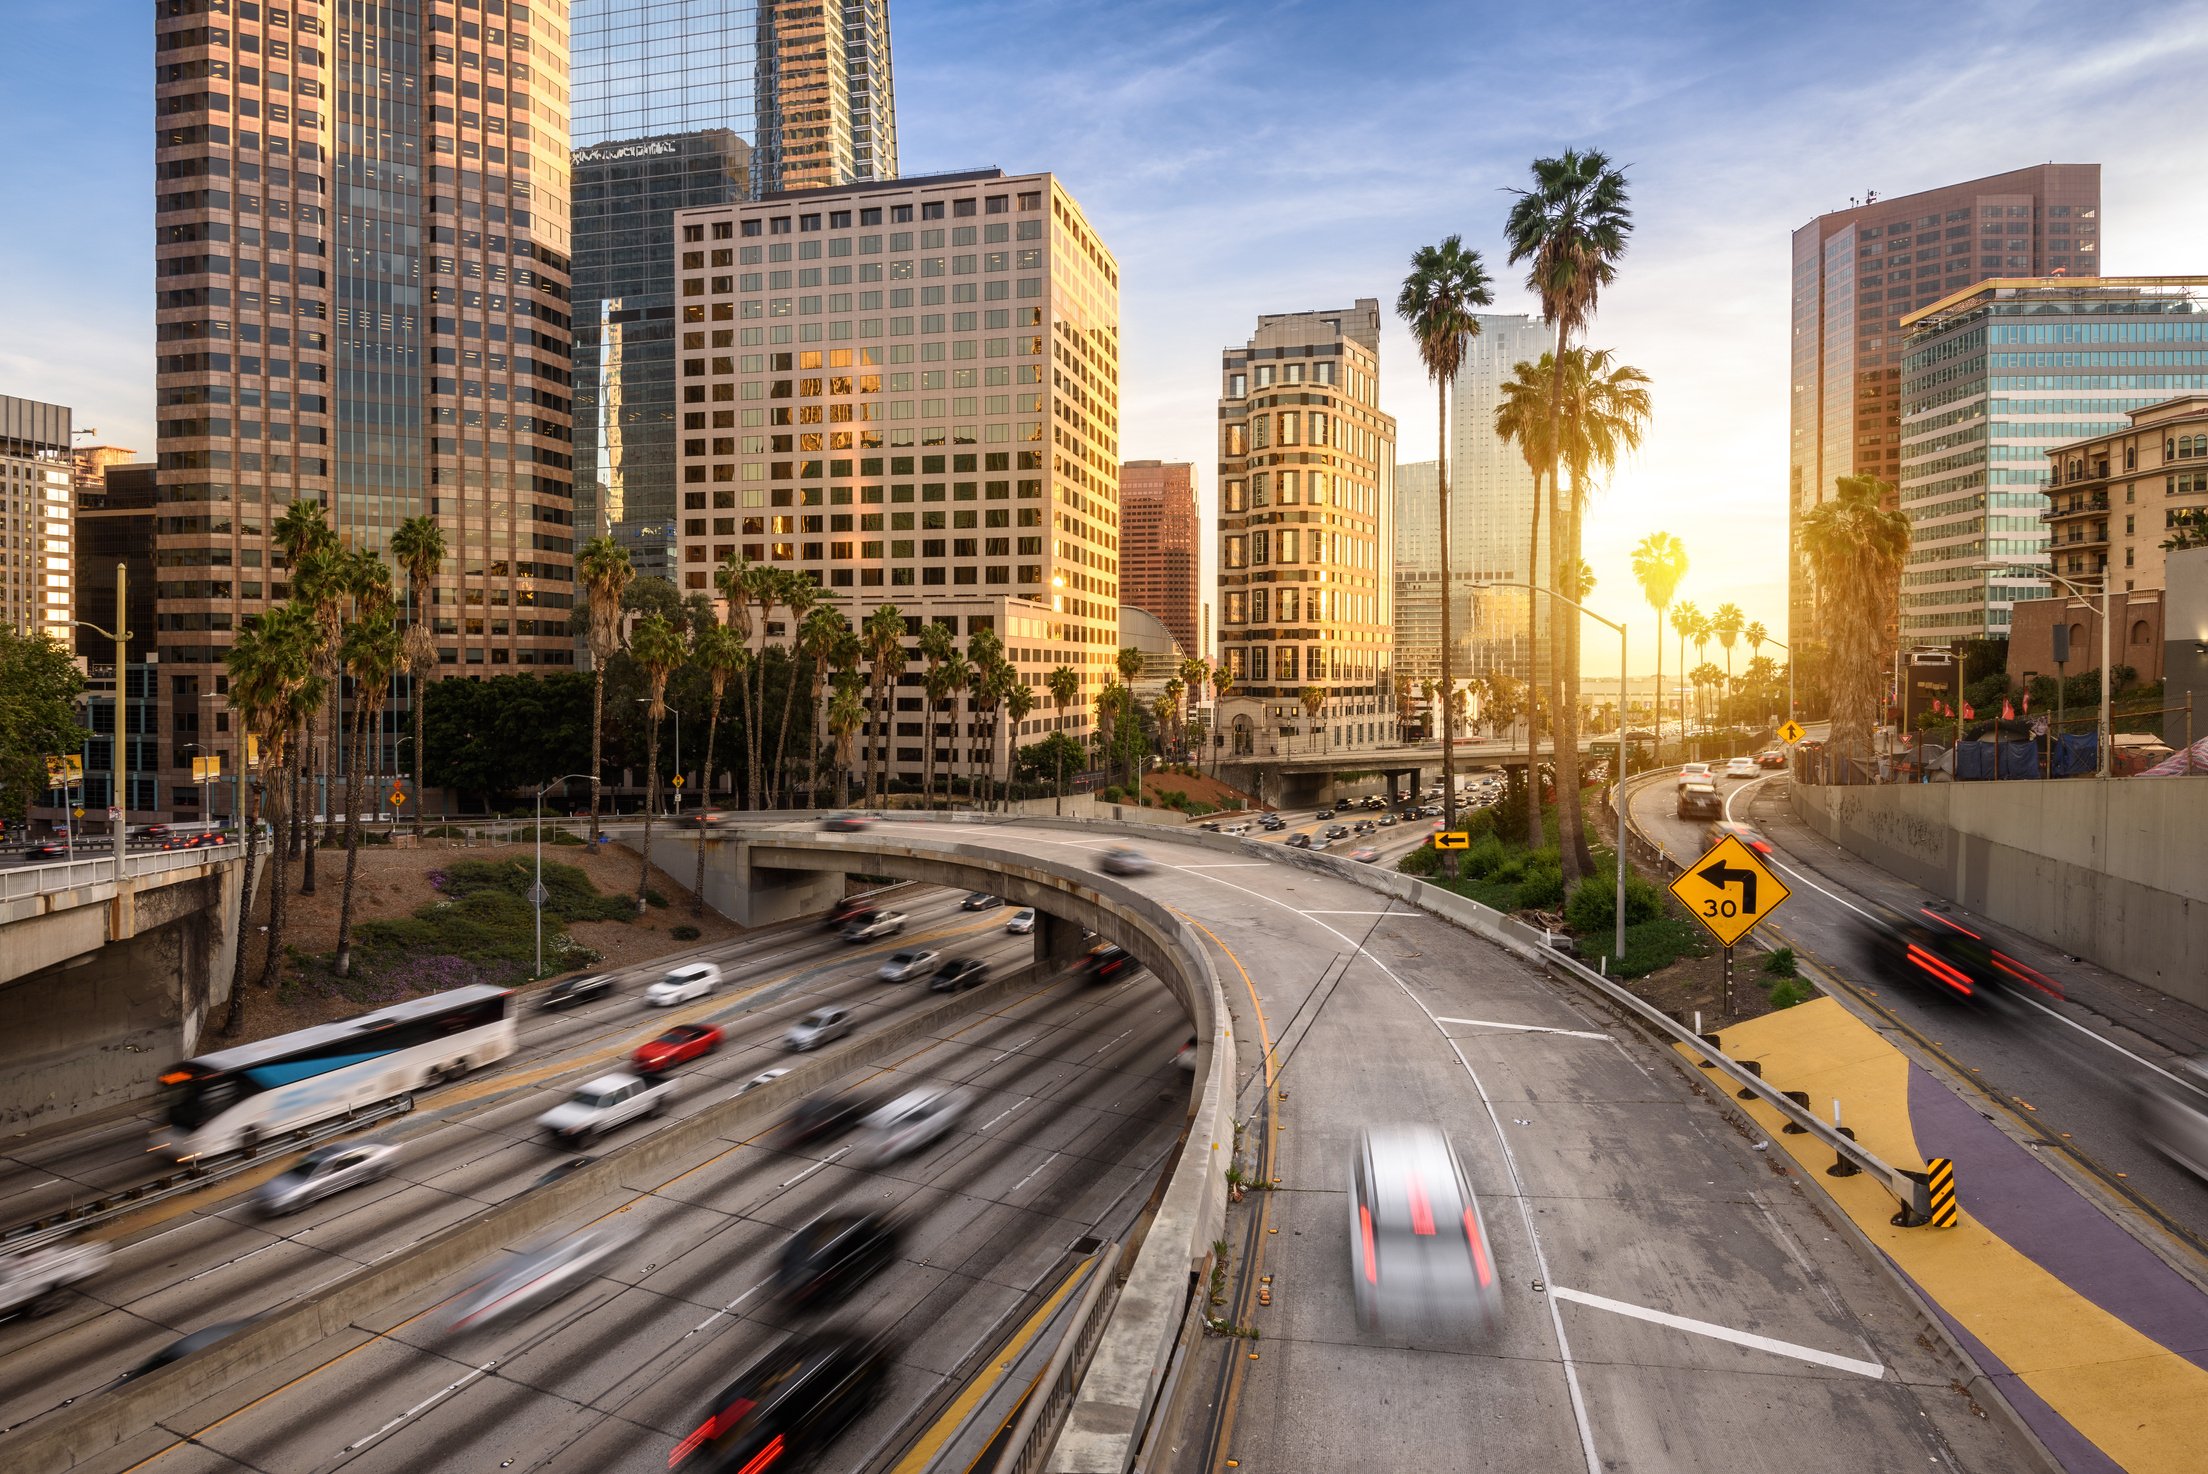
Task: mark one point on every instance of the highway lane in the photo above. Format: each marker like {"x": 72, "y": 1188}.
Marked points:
{"x": 2057, "y": 1074}
{"x": 215, "y": 1258}
{"x": 1078, "y": 1109}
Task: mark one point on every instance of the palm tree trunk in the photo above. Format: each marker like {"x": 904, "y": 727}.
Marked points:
{"x": 697, "y": 886}
{"x": 1659, "y": 692}
{"x": 1579, "y": 859}
{"x": 236, "y": 1012}
{"x": 782, "y": 734}
{"x": 597, "y": 738}
{"x": 1448, "y": 683}
{"x": 874, "y": 720}
{"x": 927, "y": 757}
{"x": 651, "y": 798}
{"x": 309, "y": 802}
{"x": 273, "y": 953}
{"x": 416, "y": 693}
{"x": 352, "y": 840}
{"x": 750, "y": 784}
{"x": 1533, "y": 685}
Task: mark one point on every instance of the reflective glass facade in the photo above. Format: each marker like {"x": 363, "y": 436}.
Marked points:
{"x": 652, "y": 67}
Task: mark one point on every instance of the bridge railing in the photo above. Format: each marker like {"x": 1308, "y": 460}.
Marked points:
{"x": 57, "y": 876}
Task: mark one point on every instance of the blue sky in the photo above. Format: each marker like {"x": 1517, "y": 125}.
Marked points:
{"x": 1244, "y": 157}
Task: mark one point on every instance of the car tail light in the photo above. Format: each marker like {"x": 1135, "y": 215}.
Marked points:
{"x": 764, "y": 1457}
{"x": 1951, "y": 924}
{"x": 1480, "y": 1266}
{"x": 1941, "y": 970}
{"x": 2025, "y": 972}
{"x": 1372, "y": 1258}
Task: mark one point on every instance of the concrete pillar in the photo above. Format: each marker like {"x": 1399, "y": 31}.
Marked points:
{"x": 1058, "y": 942}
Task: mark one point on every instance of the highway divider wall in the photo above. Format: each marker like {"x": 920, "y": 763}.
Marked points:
{"x": 85, "y": 1431}
{"x": 2114, "y": 871}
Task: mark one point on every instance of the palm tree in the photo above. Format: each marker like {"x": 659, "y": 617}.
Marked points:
{"x": 987, "y": 676}
{"x": 604, "y": 572}
{"x": 844, "y": 654}
{"x": 418, "y": 547}
{"x": 658, "y": 648}
{"x": 1446, "y": 282}
{"x": 1699, "y": 632}
{"x": 1222, "y": 682}
{"x": 762, "y": 584}
{"x": 1019, "y": 701}
{"x": 1684, "y": 617}
{"x": 937, "y": 644}
{"x": 1659, "y": 562}
{"x": 1522, "y": 417}
{"x": 373, "y": 651}
{"x": 1569, "y": 229}
{"x": 319, "y": 583}
{"x": 1064, "y": 686}
{"x": 846, "y": 715}
{"x": 1856, "y": 552}
{"x": 302, "y": 529}
{"x": 723, "y": 656}
{"x": 271, "y": 667}
{"x": 1108, "y": 698}
{"x": 1726, "y": 624}
{"x": 732, "y": 580}
{"x": 816, "y": 643}
{"x": 1173, "y": 689}
{"x": 1314, "y": 702}
{"x": 799, "y": 596}
{"x": 1129, "y": 662}
{"x": 885, "y": 649}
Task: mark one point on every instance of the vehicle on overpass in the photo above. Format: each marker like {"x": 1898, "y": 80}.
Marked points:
{"x": 236, "y": 1099}
{"x": 1120, "y": 860}
{"x": 1694, "y": 773}
{"x": 1417, "y": 1247}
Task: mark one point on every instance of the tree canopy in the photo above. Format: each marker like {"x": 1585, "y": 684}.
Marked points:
{"x": 39, "y": 686}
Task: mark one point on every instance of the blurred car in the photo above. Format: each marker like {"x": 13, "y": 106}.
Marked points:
{"x": 1693, "y": 773}
{"x": 1774, "y": 758}
{"x": 691, "y": 980}
{"x": 1388, "y": 821}
{"x": 1740, "y": 767}
{"x": 1021, "y": 922}
{"x": 911, "y": 1123}
{"x": 1184, "y": 1058}
{"x": 792, "y": 1402}
{"x": 1417, "y": 1248}
{"x": 1959, "y": 961}
{"x": 1747, "y": 834}
{"x": 868, "y": 925}
{"x": 764, "y": 1077}
{"x": 839, "y": 916}
{"x": 568, "y": 992}
{"x": 2173, "y": 1113}
{"x": 198, "y": 839}
{"x": 833, "y": 1255}
{"x": 1107, "y": 964}
{"x": 603, "y": 1104}
{"x": 821, "y": 1117}
{"x": 1299, "y": 841}
{"x": 1272, "y": 823}
{"x": 903, "y": 967}
{"x": 323, "y": 1171}
{"x": 980, "y": 901}
{"x": 48, "y": 850}
{"x": 821, "y": 1026}
{"x": 35, "y": 1281}
{"x": 184, "y": 1346}
{"x": 708, "y": 819}
{"x": 1336, "y": 831}
{"x": 537, "y": 1277}
{"x": 957, "y": 974}
{"x": 1365, "y": 855}
{"x": 847, "y": 823}
{"x": 678, "y": 1046}
{"x": 1120, "y": 860}
{"x": 561, "y": 1171}
{"x": 1700, "y": 801}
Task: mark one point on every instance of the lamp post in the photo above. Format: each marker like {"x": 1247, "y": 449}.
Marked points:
{"x": 1617, "y": 863}
{"x": 536, "y": 893}
{"x": 2107, "y": 732}
{"x": 121, "y": 636}
{"x": 677, "y": 715}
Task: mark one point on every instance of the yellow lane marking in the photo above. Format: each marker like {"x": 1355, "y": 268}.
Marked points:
{"x": 2132, "y": 1398}
{"x": 922, "y": 1454}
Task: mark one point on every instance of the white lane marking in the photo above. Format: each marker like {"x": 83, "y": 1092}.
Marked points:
{"x": 426, "y": 1403}
{"x": 809, "y": 1171}
{"x": 1123, "y": 1033}
{"x": 1354, "y": 913}
{"x": 1230, "y": 865}
{"x": 263, "y": 1249}
{"x": 729, "y": 1308}
{"x": 1039, "y": 1166}
{"x": 1015, "y": 1049}
{"x": 2101, "y": 1039}
{"x": 1008, "y": 1110}
{"x": 1716, "y": 1332}
{"x": 1484, "y": 1023}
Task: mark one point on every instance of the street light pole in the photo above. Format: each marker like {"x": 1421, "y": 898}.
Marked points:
{"x": 1617, "y": 859}
{"x": 536, "y": 894}
{"x": 677, "y": 714}
{"x": 2106, "y": 739}
{"x": 117, "y": 789}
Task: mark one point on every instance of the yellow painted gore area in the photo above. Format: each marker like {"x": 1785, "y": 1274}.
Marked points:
{"x": 2138, "y": 1402}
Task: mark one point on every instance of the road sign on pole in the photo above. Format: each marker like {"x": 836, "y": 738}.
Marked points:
{"x": 538, "y": 895}
{"x": 678, "y": 780}
{"x": 1729, "y": 890}
{"x": 1453, "y": 839}
{"x": 113, "y": 813}
{"x": 398, "y": 797}
{"x": 1790, "y": 732}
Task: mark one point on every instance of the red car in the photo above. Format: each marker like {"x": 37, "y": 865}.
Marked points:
{"x": 678, "y": 1046}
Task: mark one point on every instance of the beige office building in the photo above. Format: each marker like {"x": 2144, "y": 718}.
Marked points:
{"x": 909, "y": 391}
{"x": 35, "y": 514}
{"x": 1306, "y": 498}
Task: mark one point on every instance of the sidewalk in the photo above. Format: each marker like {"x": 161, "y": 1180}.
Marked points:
{"x": 2100, "y": 1347}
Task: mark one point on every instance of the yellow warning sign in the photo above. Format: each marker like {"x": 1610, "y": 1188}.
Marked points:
{"x": 1453, "y": 839}
{"x": 1790, "y": 732}
{"x": 1729, "y": 890}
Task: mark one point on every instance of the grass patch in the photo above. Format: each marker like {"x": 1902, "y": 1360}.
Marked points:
{"x": 1650, "y": 946}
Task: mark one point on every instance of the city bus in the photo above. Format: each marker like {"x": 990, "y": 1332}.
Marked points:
{"x": 238, "y": 1098}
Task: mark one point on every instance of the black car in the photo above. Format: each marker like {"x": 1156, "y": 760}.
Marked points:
{"x": 1951, "y": 957}
{"x": 184, "y": 1346}
{"x": 49, "y": 851}
{"x": 1299, "y": 841}
{"x": 844, "y": 912}
{"x": 832, "y": 1256}
{"x": 1700, "y": 800}
{"x": 568, "y": 992}
{"x": 1108, "y": 964}
{"x": 821, "y": 1117}
{"x": 957, "y": 974}
{"x": 791, "y": 1402}
{"x": 980, "y": 901}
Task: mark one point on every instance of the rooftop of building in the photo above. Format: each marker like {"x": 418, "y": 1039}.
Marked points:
{"x": 2183, "y": 407}
{"x": 1995, "y": 288}
{"x": 902, "y": 181}
{"x": 1984, "y": 184}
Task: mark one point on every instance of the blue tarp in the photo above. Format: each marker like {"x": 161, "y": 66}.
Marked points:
{"x": 1980, "y": 761}
{"x": 2077, "y": 755}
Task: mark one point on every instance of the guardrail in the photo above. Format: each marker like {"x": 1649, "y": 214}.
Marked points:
{"x": 57, "y": 876}
{"x": 1053, "y": 1394}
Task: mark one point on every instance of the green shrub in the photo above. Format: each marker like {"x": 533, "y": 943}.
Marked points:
{"x": 1510, "y": 871}
{"x": 1543, "y": 887}
{"x": 1649, "y": 946}
{"x": 1425, "y": 860}
{"x": 1787, "y": 992}
{"x": 684, "y": 933}
{"x": 1594, "y": 905}
{"x": 1780, "y": 963}
{"x": 1485, "y": 857}
{"x": 654, "y": 899}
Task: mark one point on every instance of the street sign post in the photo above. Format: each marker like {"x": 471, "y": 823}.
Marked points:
{"x": 398, "y": 797}
{"x": 1790, "y": 732}
{"x": 1729, "y": 890}
{"x": 538, "y": 895}
{"x": 1453, "y": 839}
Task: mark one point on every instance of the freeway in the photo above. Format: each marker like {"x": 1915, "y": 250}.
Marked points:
{"x": 2057, "y": 1073}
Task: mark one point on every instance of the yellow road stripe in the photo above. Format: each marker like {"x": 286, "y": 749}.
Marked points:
{"x": 2135, "y": 1400}
{"x": 922, "y": 1454}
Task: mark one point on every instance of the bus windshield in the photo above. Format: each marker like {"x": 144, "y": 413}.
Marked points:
{"x": 191, "y": 1100}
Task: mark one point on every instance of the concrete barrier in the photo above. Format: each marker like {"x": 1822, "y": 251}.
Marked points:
{"x": 87, "y": 1430}
{"x": 2112, "y": 871}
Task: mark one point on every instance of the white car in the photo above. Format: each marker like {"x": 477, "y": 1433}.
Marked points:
{"x": 764, "y": 1077}
{"x": 1742, "y": 767}
{"x": 1022, "y": 922}
{"x": 1694, "y": 773}
{"x": 323, "y": 1171}
{"x": 817, "y": 1028}
{"x": 600, "y": 1106}
{"x": 879, "y": 924}
{"x": 911, "y": 1123}
{"x": 33, "y": 1282}
{"x": 903, "y": 967}
{"x": 691, "y": 980}
{"x": 537, "y": 1278}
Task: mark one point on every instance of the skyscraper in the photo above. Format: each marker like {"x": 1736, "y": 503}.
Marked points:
{"x": 649, "y": 68}
{"x": 827, "y": 107}
{"x": 37, "y": 551}
{"x": 908, "y": 391}
{"x": 1417, "y": 572}
{"x": 1993, "y": 378}
{"x": 1857, "y": 272}
{"x": 1306, "y": 484}
{"x": 1491, "y": 492}
{"x": 1158, "y": 548}
{"x": 370, "y": 314}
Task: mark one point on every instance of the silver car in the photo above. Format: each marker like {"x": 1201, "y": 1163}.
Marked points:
{"x": 1119, "y": 860}
{"x": 1022, "y": 922}
{"x": 2174, "y": 1117}
{"x": 818, "y": 1028}
{"x": 911, "y": 1123}
{"x": 537, "y": 1278}
{"x": 1418, "y": 1250}
{"x": 325, "y": 1170}
{"x": 903, "y": 967}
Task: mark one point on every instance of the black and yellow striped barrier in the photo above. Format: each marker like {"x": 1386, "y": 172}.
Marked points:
{"x": 1941, "y": 1172}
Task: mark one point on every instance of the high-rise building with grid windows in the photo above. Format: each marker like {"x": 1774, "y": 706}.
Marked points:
{"x": 908, "y": 391}
{"x": 1161, "y": 546}
{"x": 362, "y": 301}
{"x": 37, "y": 552}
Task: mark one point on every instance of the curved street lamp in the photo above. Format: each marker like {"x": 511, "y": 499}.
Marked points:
{"x": 2106, "y": 733}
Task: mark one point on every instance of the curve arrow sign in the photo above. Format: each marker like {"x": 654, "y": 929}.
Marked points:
{"x": 1722, "y": 875}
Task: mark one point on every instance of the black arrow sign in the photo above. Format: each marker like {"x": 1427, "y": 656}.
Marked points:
{"x": 1722, "y": 875}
